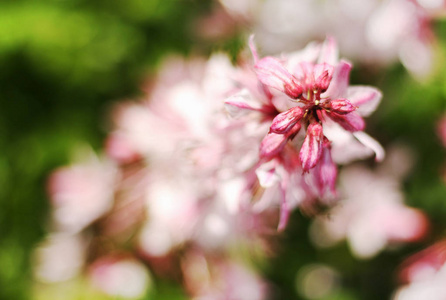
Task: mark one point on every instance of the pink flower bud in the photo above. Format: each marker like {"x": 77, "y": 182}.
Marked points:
{"x": 311, "y": 150}
{"x": 323, "y": 73}
{"x": 283, "y": 122}
{"x": 341, "y": 106}
{"x": 273, "y": 143}
{"x": 326, "y": 173}
{"x": 351, "y": 122}
{"x": 293, "y": 89}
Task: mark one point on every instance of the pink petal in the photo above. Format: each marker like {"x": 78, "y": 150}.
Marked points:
{"x": 284, "y": 121}
{"x": 371, "y": 143}
{"x": 366, "y": 98}
{"x": 351, "y": 121}
{"x": 267, "y": 175}
{"x": 309, "y": 54}
{"x": 271, "y": 72}
{"x": 340, "y": 80}
{"x": 241, "y": 104}
{"x": 311, "y": 150}
{"x": 329, "y": 52}
{"x": 253, "y": 48}
{"x": 303, "y": 72}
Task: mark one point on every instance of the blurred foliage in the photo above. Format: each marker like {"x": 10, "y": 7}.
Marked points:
{"x": 63, "y": 62}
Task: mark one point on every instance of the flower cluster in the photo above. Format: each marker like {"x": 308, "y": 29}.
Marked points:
{"x": 176, "y": 176}
{"x": 181, "y": 176}
{"x": 307, "y": 103}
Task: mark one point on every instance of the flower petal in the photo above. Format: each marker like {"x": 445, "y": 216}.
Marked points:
{"x": 253, "y": 48}
{"x": 241, "y": 104}
{"x": 304, "y": 73}
{"x": 271, "y": 72}
{"x": 340, "y": 80}
{"x": 284, "y": 121}
{"x": 329, "y": 52}
{"x": 371, "y": 143}
{"x": 366, "y": 98}
{"x": 267, "y": 175}
{"x": 309, "y": 54}
{"x": 311, "y": 150}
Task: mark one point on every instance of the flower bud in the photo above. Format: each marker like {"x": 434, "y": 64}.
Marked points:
{"x": 323, "y": 73}
{"x": 311, "y": 150}
{"x": 341, "y": 106}
{"x": 284, "y": 121}
{"x": 273, "y": 143}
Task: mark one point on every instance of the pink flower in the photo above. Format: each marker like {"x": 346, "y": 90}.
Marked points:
{"x": 424, "y": 274}
{"x": 424, "y": 263}
{"x": 81, "y": 193}
{"x": 371, "y": 213}
{"x": 120, "y": 276}
{"x": 59, "y": 257}
{"x": 172, "y": 214}
{"x": 318, "y": 89}
{"x": 299, "y": 97}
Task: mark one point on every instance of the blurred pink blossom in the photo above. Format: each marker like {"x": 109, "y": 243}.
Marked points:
{"x": 371, "y": 215}
{"x": 171, "y": 217}
{"x": 81, "y": 193}
{"x": 424, "y": 264}
{"x": 424, "y": 274}
{"x": 195, "y": 164}
{"x": 120, "y": 276}
{"x": 60, "y": 257}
